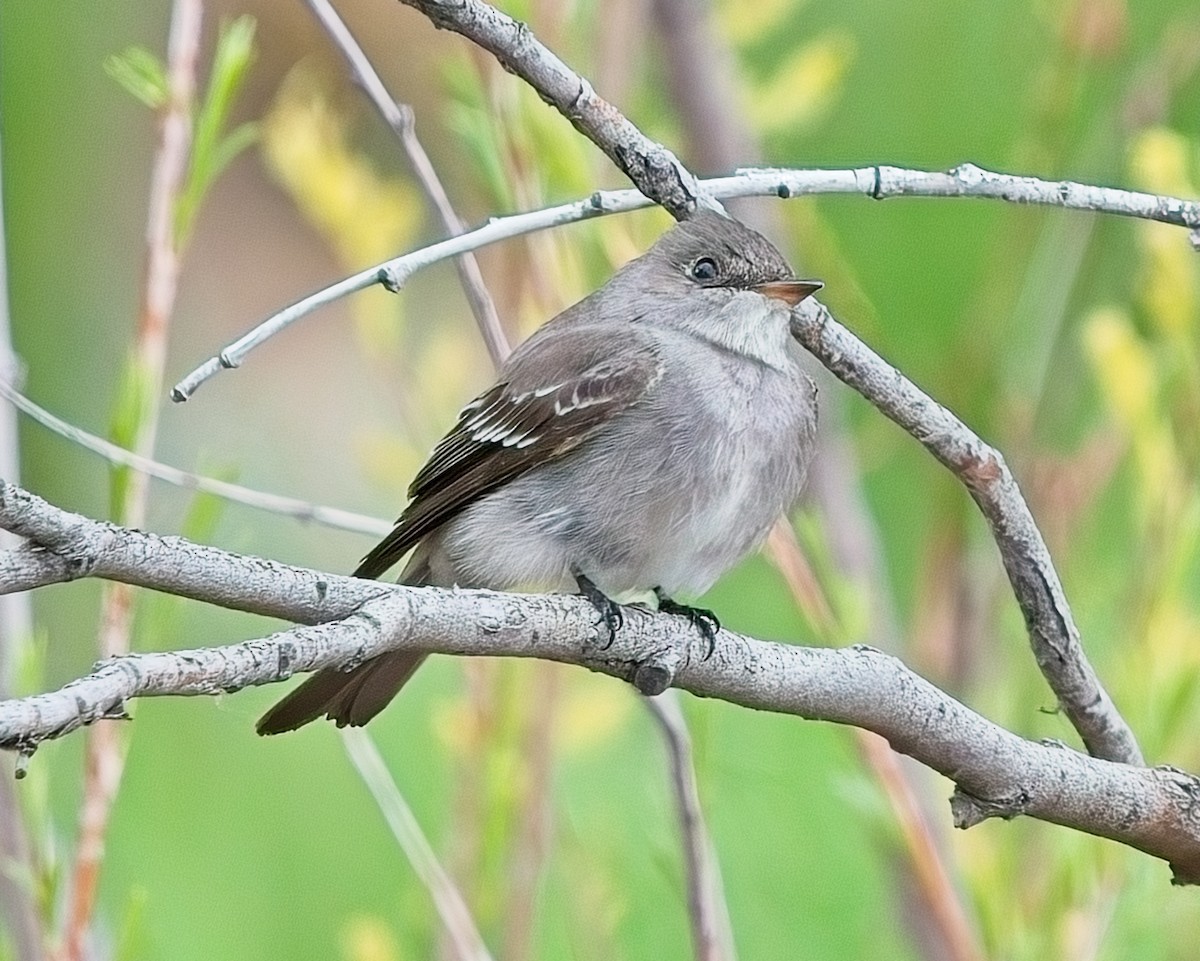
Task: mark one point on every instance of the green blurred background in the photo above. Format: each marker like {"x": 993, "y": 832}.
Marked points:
{"x": 1069, "y": 341}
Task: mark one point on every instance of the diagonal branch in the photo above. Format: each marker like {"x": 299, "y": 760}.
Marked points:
{"x": 656, "y": 171}
{"x": 447, "y": 899}
{"x": 997, "y": 773}
{"x": 1052, "y": 630}
{"x": 712, "y": 934}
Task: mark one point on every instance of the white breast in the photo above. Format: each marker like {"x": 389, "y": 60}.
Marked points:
{"x": 753, "y": 470}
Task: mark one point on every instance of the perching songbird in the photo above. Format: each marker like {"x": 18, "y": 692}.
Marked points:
{"x": 645, "y": 439}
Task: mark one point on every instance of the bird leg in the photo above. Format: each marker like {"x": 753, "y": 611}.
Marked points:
{"x": 704, "y": 620}
{"x": 608, "y": 609}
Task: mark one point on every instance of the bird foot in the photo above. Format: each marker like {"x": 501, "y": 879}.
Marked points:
{"x": 704, "y": 620}
{"x": 609, "y": 610}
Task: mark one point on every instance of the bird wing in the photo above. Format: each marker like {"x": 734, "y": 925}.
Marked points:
{"x": 554, "y": 393}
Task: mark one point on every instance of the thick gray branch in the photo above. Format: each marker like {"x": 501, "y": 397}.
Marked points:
{"x": 68, "y": 546}
{"x": 1052, "y": 631}
{"x": 997, "y": 773}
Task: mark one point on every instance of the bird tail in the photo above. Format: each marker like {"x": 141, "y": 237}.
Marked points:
{"x": 350, "y": 697}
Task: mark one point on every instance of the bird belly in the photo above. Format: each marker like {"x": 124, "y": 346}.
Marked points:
{"x": 632, "y": 515}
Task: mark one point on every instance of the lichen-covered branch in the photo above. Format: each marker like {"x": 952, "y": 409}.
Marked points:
{"x": 981, "y": 468}
{"x": 996, "y": 772}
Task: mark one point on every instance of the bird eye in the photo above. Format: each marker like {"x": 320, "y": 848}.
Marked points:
{"x": 704, "y": 270}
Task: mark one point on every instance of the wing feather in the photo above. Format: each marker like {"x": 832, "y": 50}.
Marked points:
{"x": 555, "y": 393}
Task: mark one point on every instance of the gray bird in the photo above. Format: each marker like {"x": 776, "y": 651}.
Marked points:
{"x": 646, "y": 438}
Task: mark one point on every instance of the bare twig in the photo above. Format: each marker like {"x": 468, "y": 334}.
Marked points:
{"x": 877, "y": 182}
{"x": 998, "y": 774}
{"x": 17, "y": 869}
{"x": 451, "y": 908}
{"x": 104, "y": 758}
{"x": 235, "y": 493}
{"x": 712, "y": 933}
{"x": 399, "y": 117}
{"x": 942, "y": 901}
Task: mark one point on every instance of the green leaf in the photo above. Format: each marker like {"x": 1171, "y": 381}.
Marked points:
{"x": 211, "y": 153}
{"x": 232, "y": 145}
{"x": 141, "y": 73}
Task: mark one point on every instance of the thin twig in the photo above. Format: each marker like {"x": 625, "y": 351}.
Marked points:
{"x": 399, "y": 117}
{"x": 877, "y": 182}
{"x": 998, "y": 773}
{"x": 942, "y": 900}
{"x": 17, "y": 867}
{"x": 447, "y": 899}
{"x": 712, "y": 933}
{"x": 235, "y": 493}
{"x": 104, "y": 758}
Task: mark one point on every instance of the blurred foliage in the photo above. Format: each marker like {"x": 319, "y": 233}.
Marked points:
{"x": 134, "y": 413}
{"x": 1069, "y": 341}
{"x": 213, "y": 150}
{"x": 141, "y": 73}
{"x": 364, "y": 215}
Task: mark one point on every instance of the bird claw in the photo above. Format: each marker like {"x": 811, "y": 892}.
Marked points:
{"x": 702, "y": 619}
{"x": 611, "y": 615}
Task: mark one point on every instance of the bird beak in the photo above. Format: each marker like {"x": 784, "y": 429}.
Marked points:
{"x": 791, "y": 292}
